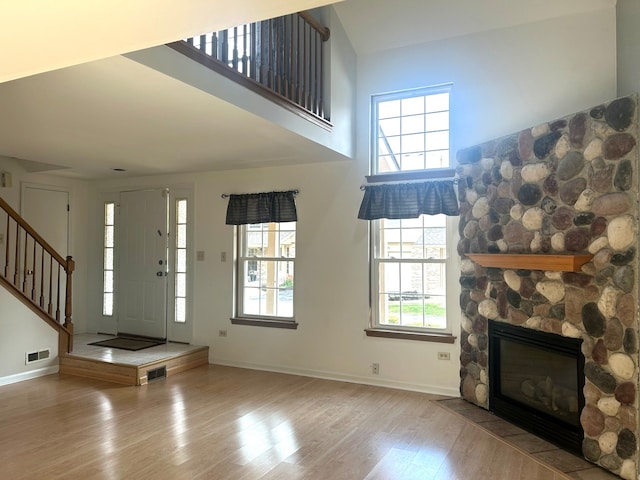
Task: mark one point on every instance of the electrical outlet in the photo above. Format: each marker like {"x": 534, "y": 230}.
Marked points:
{"x": 444, "y": 356}
{"x": 222, "y": 333}
{"x": 375, "y": 368}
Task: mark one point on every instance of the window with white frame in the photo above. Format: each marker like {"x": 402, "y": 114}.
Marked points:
{"x": 108, "y": 259}
{"x": 265, "y": 270}
{"x": 411, "y": 130}
{"x": 410, "y": 133}
{"x": 181, "y": 261}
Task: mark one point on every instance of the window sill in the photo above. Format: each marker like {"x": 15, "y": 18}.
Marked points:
{"x": 263, "y": 322}
{"x": 407, "y": 335}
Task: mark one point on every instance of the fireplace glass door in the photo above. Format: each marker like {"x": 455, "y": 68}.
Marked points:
{"x": 536, "y": 381}
{"x": 541, "y": 379}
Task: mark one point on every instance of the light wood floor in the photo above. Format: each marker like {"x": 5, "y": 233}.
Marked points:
{"x": 221, "y": 423}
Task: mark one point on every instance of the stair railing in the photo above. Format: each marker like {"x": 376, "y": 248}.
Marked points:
{"x": 36, "y": 274}
{"x": 284, "y": 56}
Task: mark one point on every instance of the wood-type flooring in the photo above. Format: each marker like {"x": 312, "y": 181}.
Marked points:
{"x": 215, "y": 422}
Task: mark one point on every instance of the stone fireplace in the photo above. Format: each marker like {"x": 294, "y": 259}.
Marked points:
{"x": 553, "y": 208}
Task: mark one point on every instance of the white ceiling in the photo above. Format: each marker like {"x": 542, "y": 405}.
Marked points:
{"x": 376, "y": 25}
{"x": 38, "y": 35}
{"x": 116, "y": 113}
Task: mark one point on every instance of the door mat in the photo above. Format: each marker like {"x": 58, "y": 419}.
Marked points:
{"x": 124, "y": 343}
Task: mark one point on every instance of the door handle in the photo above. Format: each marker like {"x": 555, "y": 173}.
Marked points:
{"x": 159, "y": 274}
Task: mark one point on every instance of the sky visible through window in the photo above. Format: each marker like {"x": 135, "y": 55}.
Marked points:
{"x": 413, "y": 133}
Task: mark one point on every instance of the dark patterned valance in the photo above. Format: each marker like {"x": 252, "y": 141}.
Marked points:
{"x": 262, "y": 208}
{"x": 408, "y": 200}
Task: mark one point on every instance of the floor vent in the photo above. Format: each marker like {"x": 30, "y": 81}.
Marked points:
{"x": 31, "y": 357}
{"x": 157, "y": 374}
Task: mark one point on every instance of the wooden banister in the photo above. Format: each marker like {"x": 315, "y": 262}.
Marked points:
{"x": 30, "y": 230}
{"x": 323, "y": 31}
{"x": 32, "y": 273}
{"x": 281, "y": 59}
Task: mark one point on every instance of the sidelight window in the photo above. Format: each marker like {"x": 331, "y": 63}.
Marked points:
{"x": 108, "y": 259}
{"x": 181, "y": 261}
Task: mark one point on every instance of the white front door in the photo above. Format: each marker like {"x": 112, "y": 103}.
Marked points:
{"x": 142, "y": 278}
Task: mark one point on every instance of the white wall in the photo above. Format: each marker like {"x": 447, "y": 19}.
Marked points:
{"x": 503, "y": 80}
{"x": 22, "y": 330}
{"x": 628, "y": 37}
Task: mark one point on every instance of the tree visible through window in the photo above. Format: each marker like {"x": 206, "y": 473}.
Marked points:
{"x": 410, "y": 132}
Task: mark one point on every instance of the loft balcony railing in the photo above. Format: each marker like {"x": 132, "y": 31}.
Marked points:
{"x": 281, "y": 58}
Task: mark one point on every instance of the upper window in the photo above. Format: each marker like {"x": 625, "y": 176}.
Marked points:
{"x": 265, "y": 270}
{"x": 410, "y": 130}
{"x": 409, "y": 272}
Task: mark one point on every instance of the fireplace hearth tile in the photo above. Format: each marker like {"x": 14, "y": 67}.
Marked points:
{"x": 548, "y": 454}
{"x": 593, "y": 473}
{"x": 530, "y": 443}
{"x": 565, "y": 461}
{"x": 478, "y": 415}
{"x": 503, "y": 428}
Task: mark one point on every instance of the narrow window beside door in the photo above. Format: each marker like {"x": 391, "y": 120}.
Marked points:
{"x": 181, "y": 261}
{"x": 108, "y": 263}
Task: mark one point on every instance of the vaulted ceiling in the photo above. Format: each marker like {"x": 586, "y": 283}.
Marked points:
{"x": 71, "y": 100}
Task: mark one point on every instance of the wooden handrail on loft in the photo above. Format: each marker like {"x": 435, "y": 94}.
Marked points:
{"x": 32, "y": 270}
{"x": 281, "y": 59}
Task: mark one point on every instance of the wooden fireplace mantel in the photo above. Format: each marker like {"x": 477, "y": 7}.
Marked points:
{"x": 558, "y": 263}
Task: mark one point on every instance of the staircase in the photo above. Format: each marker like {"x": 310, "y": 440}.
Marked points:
{"x": 37, "y": 275}
{"x": 42, "y": 280}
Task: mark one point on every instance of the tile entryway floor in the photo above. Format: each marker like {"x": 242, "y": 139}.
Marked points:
{"x": 81, "y": 348}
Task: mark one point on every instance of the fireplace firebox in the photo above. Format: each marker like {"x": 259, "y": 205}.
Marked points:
{"x": 536, "y": 382}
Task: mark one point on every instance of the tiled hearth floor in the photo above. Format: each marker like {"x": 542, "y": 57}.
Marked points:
{"x": 573, "y": 466}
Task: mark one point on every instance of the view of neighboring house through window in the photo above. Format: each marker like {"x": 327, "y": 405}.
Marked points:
{"x": 265, "y": 270}
{"x": 409, "y": 256}
{"x": 108, "y": 260}
{"x": 181, "y": 261}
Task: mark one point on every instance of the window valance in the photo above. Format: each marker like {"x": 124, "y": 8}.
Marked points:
{"x": 409, "y": 200}
{"x": 262, "y": 208}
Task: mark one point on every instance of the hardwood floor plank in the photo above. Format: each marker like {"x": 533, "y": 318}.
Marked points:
{"x": 222, "y": 423}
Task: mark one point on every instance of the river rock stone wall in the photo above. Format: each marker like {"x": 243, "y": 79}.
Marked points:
{"x": 568, "y": 186}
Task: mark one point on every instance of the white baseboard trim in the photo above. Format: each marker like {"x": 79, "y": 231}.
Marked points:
{"x": 339, "y": 377}
{"x": 21, "y": 377}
